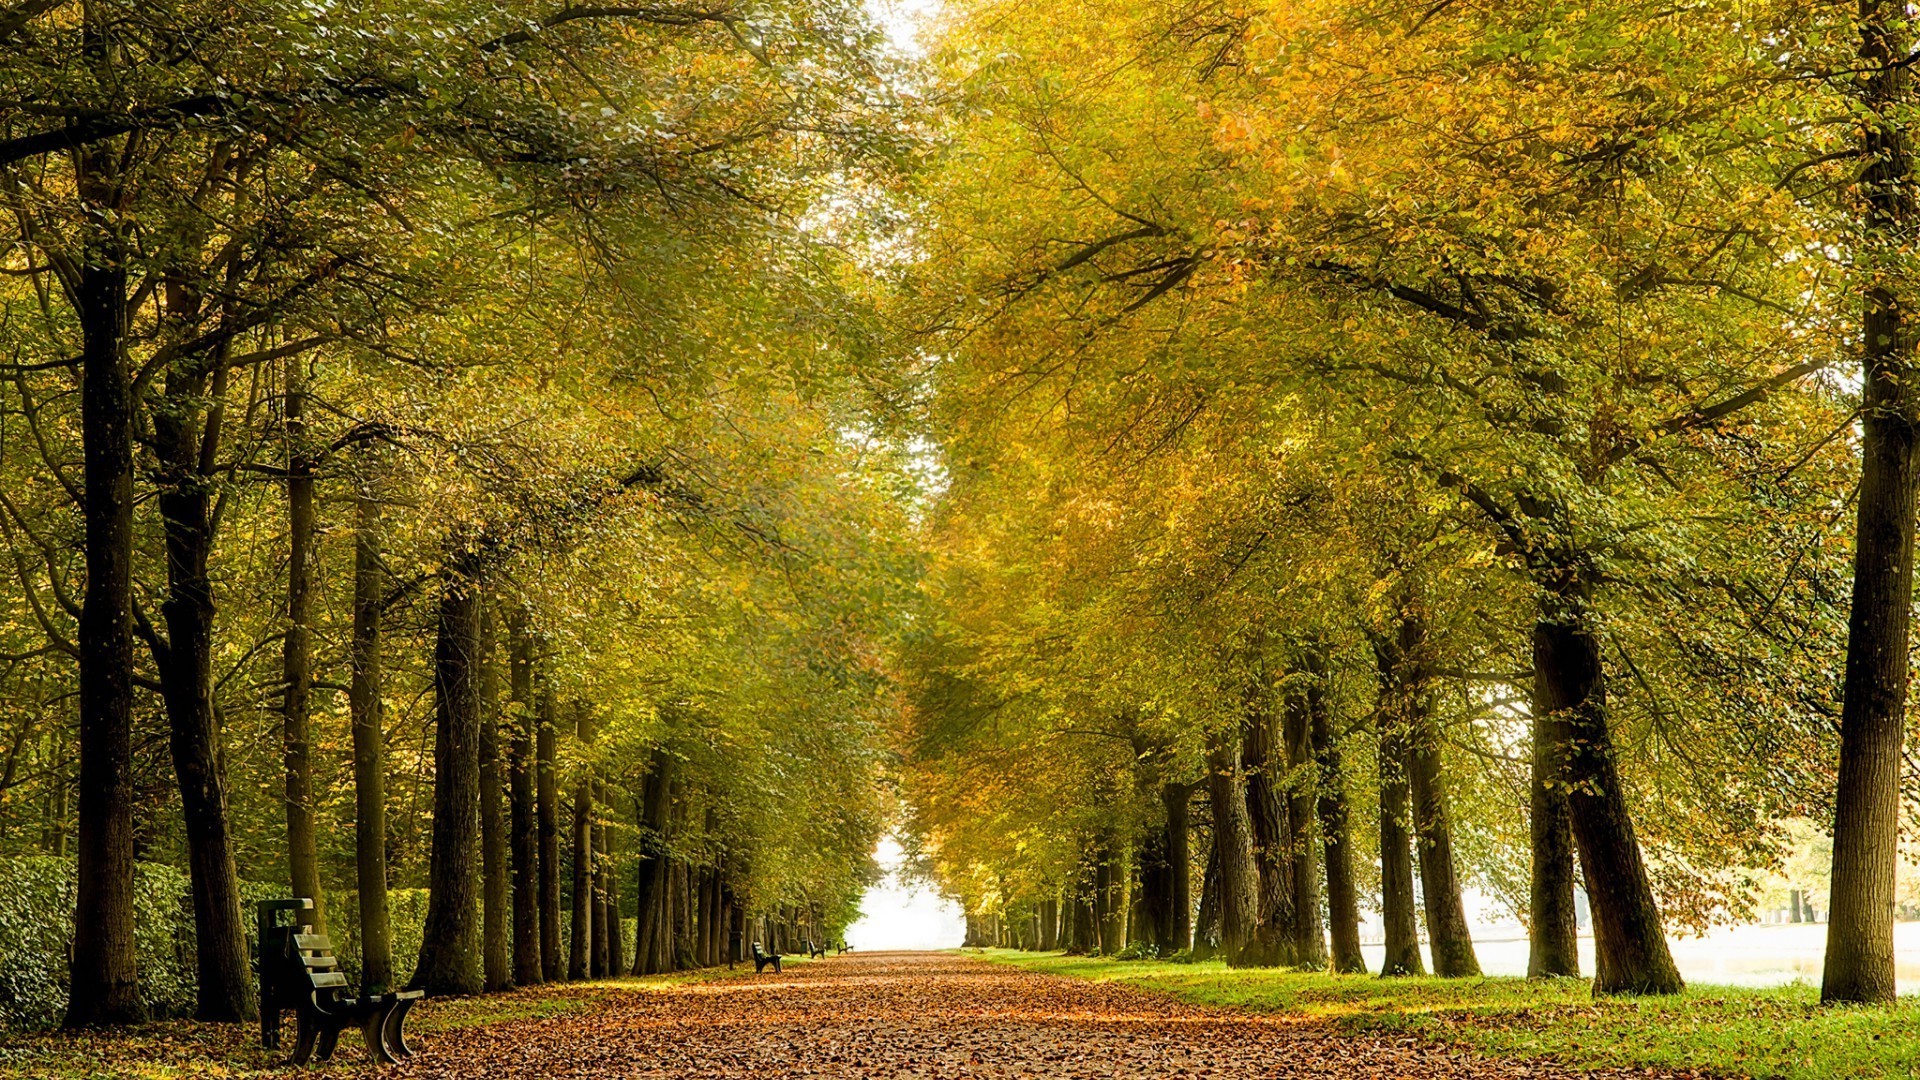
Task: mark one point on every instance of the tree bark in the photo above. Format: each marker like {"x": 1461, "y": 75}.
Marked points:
{"x": 1310, "y": 934}
{"x": 1167, "y": 874}
{"x": 1275, "y": 932}
{"x": 547, "y": 789}
{"x": 495, "y": 948}
{"x": 1633, "y": 957}
{"x": 523, "y": 829}
{"x": 1206, "y": 921}
{"x": 1873, "y": 715}
{"x": 1239, "y": 890}
{"x": 1396, "y": 865}
{"x": 369, "y": 750}
{"x": 103, "y": 974}
{"x": 580, "y": 940}
{"x": 296, "y": 656}
{"x": 601, "y": 955}
{"x": 1343, "y": 903}
{"x": 1553, "y": 944}
{"x": 186, "y": 441}
{"x": 449, "y": 949}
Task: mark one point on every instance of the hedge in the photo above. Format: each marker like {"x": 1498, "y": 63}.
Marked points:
{"x": 37, "y": 896}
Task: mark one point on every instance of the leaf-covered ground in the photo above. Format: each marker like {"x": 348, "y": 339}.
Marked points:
{"x": 865, "y": 1015}
{"x": 934, "y": 1015}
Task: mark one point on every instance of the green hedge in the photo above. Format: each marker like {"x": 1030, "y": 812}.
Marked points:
{"x": 37, "y": 896}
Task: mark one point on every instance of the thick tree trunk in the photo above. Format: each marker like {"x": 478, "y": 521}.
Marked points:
{"x": 580, "y": 939}
{"x": 1553, "y": 947}
{"x": 1167, "y": 873}
{"x": 1396, "y": 864}
{"x": 1206, "y": 921}
{"x": 186, "y": 440}
{"x": 1049, "y": 924}
{"x": 1873, "y": 715}
{"x": 369, "y": 750}
{"x": 450, "y": 942}
{"x": 495, "y": 948}
{"x": 650, "y": 953}
{"x": 547, "y": 789}
{"x": 1239, "y": 896}
{"x": 523, "y": 830}
{"x": 1448, "y": 935}
{"x": 103, "y": 974}
{"x": 1310, "y": 934}
{"x": 602, "y": 954}
{"x": 296, "y": 655}
{"x": 1571, "y": 693}
{"x": 1275, "y": 932}
{"x": 1110, "y": 916}
{"x": 1406, "y": 694}
{"x": 1343, "y": 903}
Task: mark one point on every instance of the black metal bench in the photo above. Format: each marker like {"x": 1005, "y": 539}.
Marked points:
{"x": 761, "y": 958}
{"x": 816, "y": 949}
{"x": 298, "y": 971}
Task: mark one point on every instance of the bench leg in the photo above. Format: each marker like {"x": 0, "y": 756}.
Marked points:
{"x": 305, "y": 1032}
{"x": 329, "y": 1039}
{"x": 776, "y": 965}
{"x": 374, "y": 1030}
{"x": 396, "y": 1029}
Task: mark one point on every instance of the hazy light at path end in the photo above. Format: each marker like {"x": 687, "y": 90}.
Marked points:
{"x": 896, "y": 916}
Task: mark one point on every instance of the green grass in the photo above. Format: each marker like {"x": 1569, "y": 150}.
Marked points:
{"x": 1782, "y": 1032}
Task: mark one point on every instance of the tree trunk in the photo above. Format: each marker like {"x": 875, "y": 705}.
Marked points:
{"x": 495, "y": 948}
{"x": 186, "y": 440}
{"x": 1206, "y": 921}
{"x": 1343, "y": 902}
{"x": 602, "y": 954}
{"x": 1168, "y": 911}
{"x": 1873, "y": 715}
{"x": 650, "y": 953}
{"x": 1553, "y": 944}
{"x": 580, "y": 940}
{"x": 522, "y": 827}
{"x": 547, "y": 788}
{"x": 104, "y": 974}
{"x": 1275, "y": 931}
{"x": 450, "y": 942}
{"x": 1049, "y": 924}
{"x": 1632, "y": 951}
{"x": 1239, "y": 895}
{"x": 1396, "y": 865}
{"x": 1310, "y": 935}
{"x": 296, "y": 656}
{"x": 369, "y": 749}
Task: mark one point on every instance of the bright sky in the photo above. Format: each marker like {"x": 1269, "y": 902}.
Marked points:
{"x": 895, "y": 916}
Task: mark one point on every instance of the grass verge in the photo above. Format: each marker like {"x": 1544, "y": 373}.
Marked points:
{"x": 1779, "y": 1033}
{"x": 187, "y": 1050}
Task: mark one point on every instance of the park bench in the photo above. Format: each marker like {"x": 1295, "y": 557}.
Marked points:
{"x": 761, "y": 958}
{"x": 299, "y": 971}
{"x": 815, "y": 948}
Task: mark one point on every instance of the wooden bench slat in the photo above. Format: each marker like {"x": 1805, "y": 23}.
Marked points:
{"x": 324, "y": 979}
{"x": 320, "y": 961}
{"x": 313, "y": 942}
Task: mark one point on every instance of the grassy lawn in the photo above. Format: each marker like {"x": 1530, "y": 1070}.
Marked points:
{"x": 1760, "y": 1033}
{"x": 181, "y": 1049}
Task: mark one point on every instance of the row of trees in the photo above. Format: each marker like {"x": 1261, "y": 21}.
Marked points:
{"x": 1471, "y": 436}
{"x": 434, "y": 451}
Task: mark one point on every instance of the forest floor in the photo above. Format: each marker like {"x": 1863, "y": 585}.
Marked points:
{"x": 1721, "y": 1031}
{"x": 860, "y": 1015}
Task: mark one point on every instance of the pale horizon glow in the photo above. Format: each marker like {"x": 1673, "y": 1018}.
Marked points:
{"x": 897, "y": 916}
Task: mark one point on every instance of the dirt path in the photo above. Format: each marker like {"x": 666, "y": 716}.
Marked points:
{"x": 929, "y": 1015}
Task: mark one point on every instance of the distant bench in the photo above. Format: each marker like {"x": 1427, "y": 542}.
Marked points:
{"x": 761, "y": 958}
{"x": 298, "y": 971}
